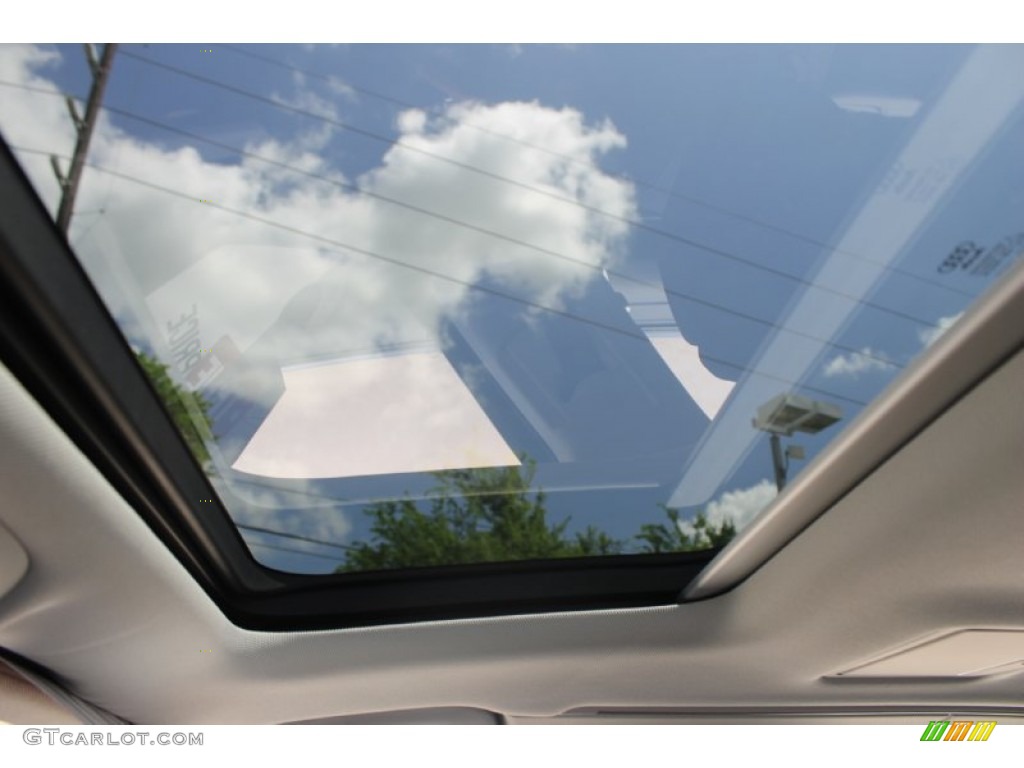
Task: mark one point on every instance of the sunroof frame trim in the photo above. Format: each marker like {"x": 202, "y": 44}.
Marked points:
{"x": 61, "y": 343}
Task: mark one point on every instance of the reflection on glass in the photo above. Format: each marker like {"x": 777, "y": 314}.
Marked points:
{"x": 372, "y": 290}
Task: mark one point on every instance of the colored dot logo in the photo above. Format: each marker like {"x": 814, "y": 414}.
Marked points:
{"x": 206, "y": 50}
{"x": 204, "y": 201}
{"x": 206, "y": 501}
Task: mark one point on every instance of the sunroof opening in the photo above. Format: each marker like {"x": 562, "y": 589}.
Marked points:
{"x": 428, "y": 306}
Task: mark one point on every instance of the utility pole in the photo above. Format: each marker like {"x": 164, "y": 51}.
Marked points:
{"x": 69, "y": 184}
{"x": 780, "y": 462}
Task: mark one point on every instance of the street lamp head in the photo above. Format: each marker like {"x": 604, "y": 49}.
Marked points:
{"x": 786, "y": 414}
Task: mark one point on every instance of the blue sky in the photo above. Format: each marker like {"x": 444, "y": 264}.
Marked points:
{"x": 740, "y": 167}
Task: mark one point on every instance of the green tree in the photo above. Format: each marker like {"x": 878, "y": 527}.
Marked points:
{"x": 474, "y": 516}
{"x": 180, "y": 404}
{"x": 492, "y": 515}
{"x": 675, "y": 536}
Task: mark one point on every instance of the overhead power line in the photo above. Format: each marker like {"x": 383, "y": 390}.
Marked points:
{"x": 639, "y": 225}
{"x": 696, "y": 201}
{"x": 276, "y": 488}
{"x": 491, "y": 233}
{"x": 330, "y": 79}
{"x": 293, "y": 551}
{"x": 690, "y": 298}
{"x": 297, "y": 537}
{"x": 448, "y": 278}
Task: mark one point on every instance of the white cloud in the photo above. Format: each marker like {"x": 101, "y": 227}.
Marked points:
{"x": 878, "y": 104}
{"x": 339, "y": 87}
{"x": 306, "y": 99}
{"x": 148, "y": 240}
{"x": 868, "y": 360}
{"x": 412, "y": 121}
{"x": 856, "y": 363}
{"x": 35, "y": 120}
{"x": 931, "y": 335}
{"x": 739, "y": 506}
{"x": 155, "y": 236}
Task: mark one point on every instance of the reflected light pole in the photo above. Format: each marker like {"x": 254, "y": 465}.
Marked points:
{"x": 786, "y": 414}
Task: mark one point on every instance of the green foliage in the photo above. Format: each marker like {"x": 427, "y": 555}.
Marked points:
{"x": 670, "y": 537}
{"x": 491, "y": 515}
{"x": 474, "y": 516}
{"x": 592, "y": 541}
{"x": 177, "y": 400}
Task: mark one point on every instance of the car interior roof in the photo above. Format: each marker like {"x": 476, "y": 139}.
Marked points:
{"x": 883, "y": 584}
{"x": 919, "y": 545}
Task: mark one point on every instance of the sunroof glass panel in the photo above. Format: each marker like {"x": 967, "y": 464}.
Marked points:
{"x": 435, "y": 305}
